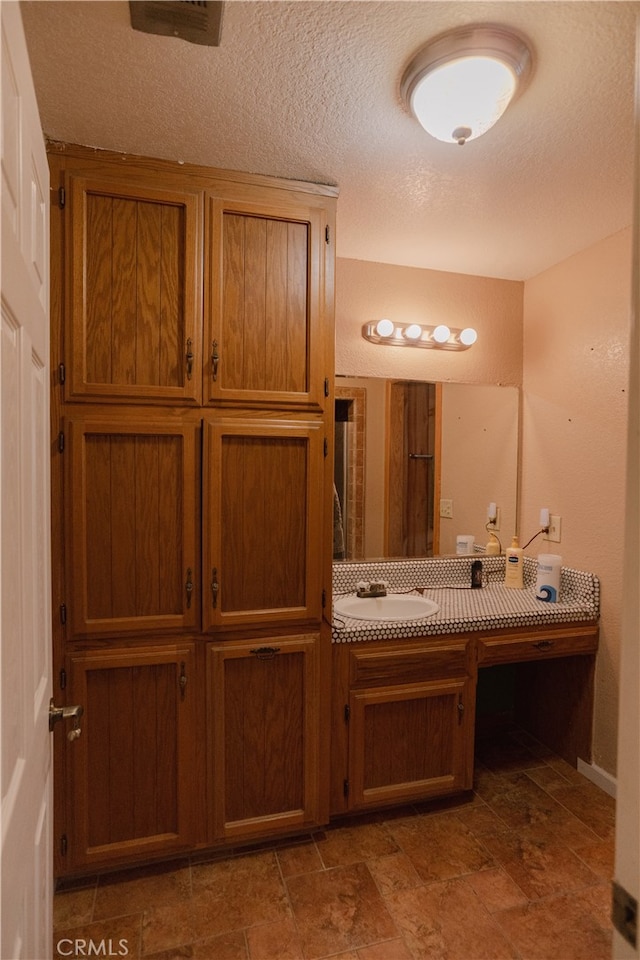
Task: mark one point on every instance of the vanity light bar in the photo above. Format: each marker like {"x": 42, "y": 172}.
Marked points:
{"x": 440, "y": 337}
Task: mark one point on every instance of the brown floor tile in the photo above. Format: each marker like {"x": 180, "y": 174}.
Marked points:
{"x": 389, "y": 950}
{"x": 539, "y": 867}
{"x": 571, "y": 927}
{"x": 274, "y": 941}
{"x": 599, "y": 857}
{"x": 299, "y": 858}
{"x": 355, "y": 843}
{"x": 440, "y": 847}
{"x": 447, "y": 921}
{"x": 132, "y": 891}
{"x": 393, "y": 873}
{"x": 591, "y": 805}
{"x": 166, "y": 926}
{"x": 73, "y": 908}
{"x": 121, "y": 933}
{"x": 496, "y": 889}
{"x": 338, "y": 910}
{"x": 230, "y": 946}
{"x": 507, "y": 753}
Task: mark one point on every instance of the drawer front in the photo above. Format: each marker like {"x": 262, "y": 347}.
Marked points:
{"x": 575, "y": 641}
{"x": 412, "y": 665}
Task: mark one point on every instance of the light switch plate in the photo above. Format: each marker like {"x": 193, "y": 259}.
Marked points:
{"x": 446, "y": 509}
{"x": 553, "y": 534}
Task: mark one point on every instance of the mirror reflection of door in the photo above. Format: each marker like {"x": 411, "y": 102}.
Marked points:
{"x": 413, "y": 463}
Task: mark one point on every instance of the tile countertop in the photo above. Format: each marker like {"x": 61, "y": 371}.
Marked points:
{"x": 447, "y": 580}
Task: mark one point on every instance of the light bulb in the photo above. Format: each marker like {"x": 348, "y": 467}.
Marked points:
{"x": 441, "y": 333}
{"x": 384, "y": 328}
{"x": 413, "y": 332}
{"x": 468, "y": 336}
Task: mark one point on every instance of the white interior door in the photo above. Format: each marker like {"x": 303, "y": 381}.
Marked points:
{"x": 26, "y": 872}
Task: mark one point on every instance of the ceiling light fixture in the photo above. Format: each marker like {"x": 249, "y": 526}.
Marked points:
{"x": 440, "y": 337}
{"x": 462, "y": 81}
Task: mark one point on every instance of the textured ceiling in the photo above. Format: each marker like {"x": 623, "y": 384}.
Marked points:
{"x": 310, "y": 90}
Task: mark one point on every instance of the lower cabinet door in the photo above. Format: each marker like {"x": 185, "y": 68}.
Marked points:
{"x": 130, "y": 772}
{"x": 410, "y": 742}
{"x": 264, "y": 721}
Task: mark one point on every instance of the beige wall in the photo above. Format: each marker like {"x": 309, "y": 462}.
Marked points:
{"x": 576, "y": 346}
{"x": 564, "y": 337}
{"x": 369, "y": 291}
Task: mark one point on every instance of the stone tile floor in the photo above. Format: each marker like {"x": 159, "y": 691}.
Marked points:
{"x": 520, "y": 869}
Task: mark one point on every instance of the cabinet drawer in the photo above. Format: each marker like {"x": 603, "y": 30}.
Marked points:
{"x": 574, "y": 641}
{"x": 438, "y": 661}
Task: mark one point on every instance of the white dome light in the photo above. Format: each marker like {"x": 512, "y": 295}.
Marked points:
{"x": 461, "y": 83}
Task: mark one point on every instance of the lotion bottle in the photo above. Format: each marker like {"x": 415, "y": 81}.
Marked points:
{"x": 514, "y": 565}
{"x": 493, "y": 545}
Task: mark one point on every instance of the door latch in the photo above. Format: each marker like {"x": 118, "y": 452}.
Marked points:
{"x": 66, "y": 713}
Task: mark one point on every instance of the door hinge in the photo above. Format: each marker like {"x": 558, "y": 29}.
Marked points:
{"x": 62, "y": 197}
{"x": 63, "y": 679}
{"x": 62, "y": 373}
{"x": 347, "y": 713}
{"x": 326, "y": 447}
{"x": 624, "y": 914}
{"x": 63, "y": 613}
{"x": 63, "y": 845}
{"x": 326, "y": 386}
{"x": 345, "y": 788}
{"x": 61, "y": 442}
{"x": 327, "y": 234}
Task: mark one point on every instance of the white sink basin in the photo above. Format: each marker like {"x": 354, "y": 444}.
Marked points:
{"x": 395, "y": 606}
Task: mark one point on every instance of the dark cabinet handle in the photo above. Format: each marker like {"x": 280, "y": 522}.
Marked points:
{"x": 543, "y": 644}
{"x": 182, "y": 680}
{"x": 189, "y": 587}
{"x": 189, "y": 359}
{"x": 215, "y": 586}
{"x": 215, "y": 359}
{"x": 265, "y": 653}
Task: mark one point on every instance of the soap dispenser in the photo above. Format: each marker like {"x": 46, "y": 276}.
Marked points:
{"x": 514, "y": 565}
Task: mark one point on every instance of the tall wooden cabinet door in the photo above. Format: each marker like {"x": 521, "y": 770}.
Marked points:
{"x": 410, "y": 742}
{"x": 134, "y": 328}
{"x": 131, "y": 769}
{"x": 264, "y": 714}
{"x": 132, "y": 518}
{"x": 265, "y": 303}
{"x": 263, "y": 503}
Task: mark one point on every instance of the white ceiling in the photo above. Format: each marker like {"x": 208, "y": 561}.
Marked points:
{"x": 310, "y": 90}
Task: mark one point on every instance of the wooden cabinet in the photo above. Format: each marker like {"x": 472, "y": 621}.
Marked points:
{"x": 132, "y": 518}
{"x": 264, "y": 724}
{"x": 263, "y": 497}
{"x": 130, "y": 771}
{"x": 264, "y": 302}
{"x": 403, "y": 721}
{"x": 192, "y": 353}
{"x": 133, "y": 256}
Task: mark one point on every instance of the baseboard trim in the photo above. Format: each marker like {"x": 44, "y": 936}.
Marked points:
{"x": 598, "y": 776}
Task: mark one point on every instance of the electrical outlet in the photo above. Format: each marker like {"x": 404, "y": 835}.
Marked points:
{"x": 446, "y": 509}
{"x": 553, "y": 534}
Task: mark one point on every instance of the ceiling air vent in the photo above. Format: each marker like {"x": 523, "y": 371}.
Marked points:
{"x": 197, "y": 21}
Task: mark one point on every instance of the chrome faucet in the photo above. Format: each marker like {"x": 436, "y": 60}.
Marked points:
{"x": 373, "y": 589}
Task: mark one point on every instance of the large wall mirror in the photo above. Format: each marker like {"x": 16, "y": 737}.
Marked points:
{"x": 417, "y": 464}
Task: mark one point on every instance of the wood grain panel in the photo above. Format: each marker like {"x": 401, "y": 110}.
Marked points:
{"x": 264, "y": 735}
{"x": 266, "y": 303}
{"x": 131, "y": 766}
{"x": 98, "y": 260}
{"x": 132, "y": 521}
{"x": 138, "y": 300}
{"x": 264, "y": 483}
